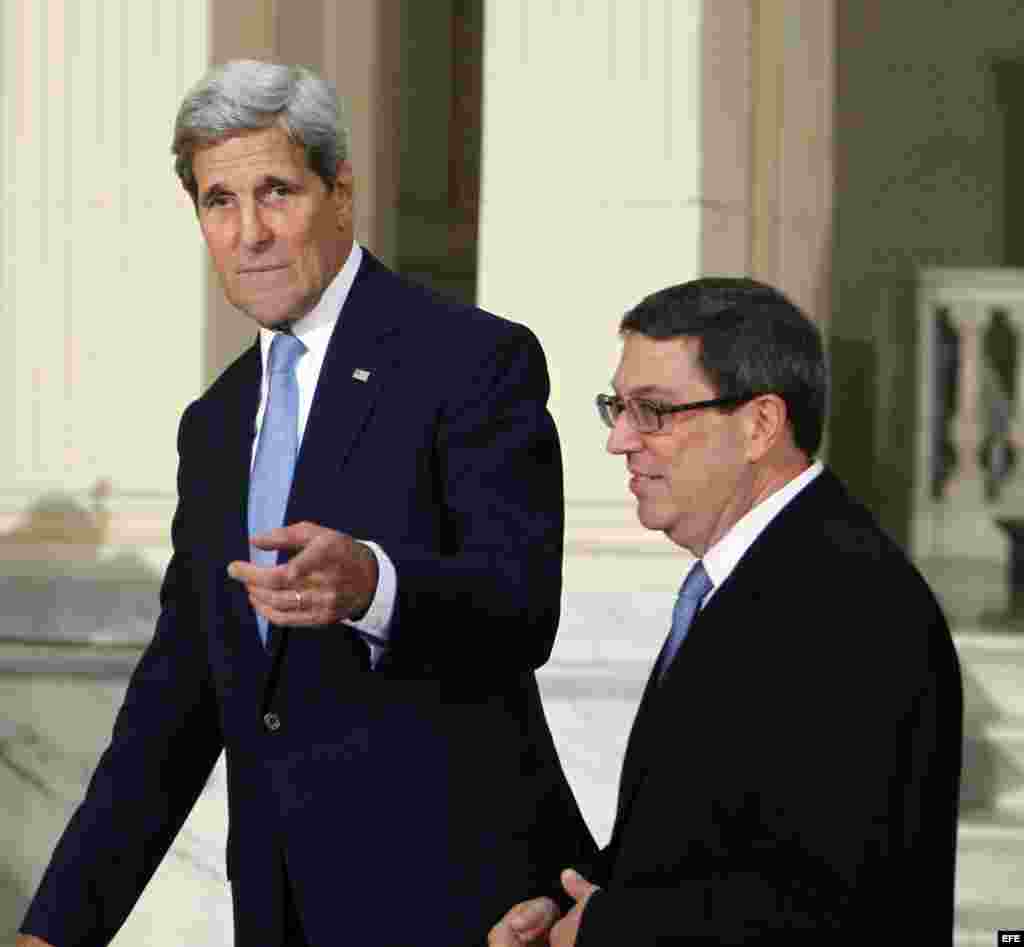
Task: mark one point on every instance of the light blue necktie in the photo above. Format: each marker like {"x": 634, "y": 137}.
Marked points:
{"x": 278, "y": 447}
{"x": 696, "y": 586}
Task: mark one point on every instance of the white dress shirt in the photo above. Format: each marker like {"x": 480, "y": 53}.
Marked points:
{"x": 723, "y": 556}
{"x": 314, "y": 331}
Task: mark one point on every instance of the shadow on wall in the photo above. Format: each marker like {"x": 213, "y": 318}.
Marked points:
{"x": 57, "y": 519}
{"x": 60, "y": 586}
{"x": 873, "y": 397}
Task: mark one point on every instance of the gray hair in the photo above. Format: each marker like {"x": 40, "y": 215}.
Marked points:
{"x": 244, "y": 95}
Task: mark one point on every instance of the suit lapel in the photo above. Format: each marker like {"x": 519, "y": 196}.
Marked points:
{"x": 232, "y": 434}
{"x": 237, "y": 464}
{"x": 355, "y": 368}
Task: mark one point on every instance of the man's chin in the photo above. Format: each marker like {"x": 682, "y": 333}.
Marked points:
{"x": 649, "y": 518}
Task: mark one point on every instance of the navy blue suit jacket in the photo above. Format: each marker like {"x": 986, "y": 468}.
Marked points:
{"x": 795, "y": 776}
{"x": 410, "y": 804}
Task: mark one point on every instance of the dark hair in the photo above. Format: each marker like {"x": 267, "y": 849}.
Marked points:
{"x": 753, "y": 340}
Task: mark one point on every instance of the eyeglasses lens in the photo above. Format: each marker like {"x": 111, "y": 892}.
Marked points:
{"x": 643, "y": 417}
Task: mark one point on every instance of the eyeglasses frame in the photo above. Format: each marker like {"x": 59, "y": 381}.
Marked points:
{"x": 661, "y": 410}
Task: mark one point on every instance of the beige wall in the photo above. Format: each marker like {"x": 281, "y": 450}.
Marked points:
{"x": 113, "y": 318}
{"x": 101, "y": 280}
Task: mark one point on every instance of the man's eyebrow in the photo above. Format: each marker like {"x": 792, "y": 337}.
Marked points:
{"x": 272, "y": 180}
{"x": 214, "y": 190}
{"x": 647, "y": 391}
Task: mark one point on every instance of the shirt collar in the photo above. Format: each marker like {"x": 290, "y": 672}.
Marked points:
{"x": 315, "y": 328}
{"x": 724, "y": 556}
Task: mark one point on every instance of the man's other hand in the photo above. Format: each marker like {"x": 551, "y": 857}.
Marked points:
{"x": 563, "y": 934}
{"x": 331, "y": 577}
{"x": 525, "y": 924}
{"x": 30, "y": 940}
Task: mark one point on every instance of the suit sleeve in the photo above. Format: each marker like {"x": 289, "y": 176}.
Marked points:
{"x": 845, "y": 822}
{"x": 165, "y": 740}
{"x": 496, "y": 587}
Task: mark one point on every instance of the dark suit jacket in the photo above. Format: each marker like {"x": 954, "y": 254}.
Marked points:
{"x": 408, "y": 805}
{"x": 797, "y": 771}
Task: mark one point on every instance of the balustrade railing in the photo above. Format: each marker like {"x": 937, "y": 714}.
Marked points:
{"x": 970, "y": 471}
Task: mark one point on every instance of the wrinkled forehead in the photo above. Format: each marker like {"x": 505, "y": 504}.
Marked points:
{"x": 660, "y": 368}
{"x": 249, "y": 154}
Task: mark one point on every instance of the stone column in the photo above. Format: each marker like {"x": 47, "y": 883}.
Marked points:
{"x": 589, "y": 198}
{"x": 687, "y": 137}
{"x": 766, "y": 140}
{"x": 965, "y": 487}
{"x": 1015, "y": 312}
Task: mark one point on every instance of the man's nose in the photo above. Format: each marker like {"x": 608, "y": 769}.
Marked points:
{"x": 255, "y": 231}
{"x": 623, "y": 438}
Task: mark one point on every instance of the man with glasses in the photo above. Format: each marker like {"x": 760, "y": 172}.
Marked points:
{"x": 793, "y": 768}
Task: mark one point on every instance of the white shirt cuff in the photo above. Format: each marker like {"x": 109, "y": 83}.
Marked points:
{"x": 375, "y": 625}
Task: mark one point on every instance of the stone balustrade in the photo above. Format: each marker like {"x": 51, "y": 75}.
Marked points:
{"x": 970, "y": 430}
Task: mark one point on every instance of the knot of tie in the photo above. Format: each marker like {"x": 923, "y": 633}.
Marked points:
{"x": 285, "y": 351}
{"x": 697, "y": 583}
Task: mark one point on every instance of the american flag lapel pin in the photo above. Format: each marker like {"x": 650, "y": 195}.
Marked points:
{"x": 361, "y": 374}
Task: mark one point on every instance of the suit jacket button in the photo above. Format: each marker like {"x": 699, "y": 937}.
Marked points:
{"x": 272, "y": 722}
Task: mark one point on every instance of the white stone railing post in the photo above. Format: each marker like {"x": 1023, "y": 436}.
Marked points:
{"x": 965, "y": 487}
{"x": 1015, "y": 313}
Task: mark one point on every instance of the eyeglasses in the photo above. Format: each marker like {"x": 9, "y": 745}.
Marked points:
{"x": 646, "y": 416}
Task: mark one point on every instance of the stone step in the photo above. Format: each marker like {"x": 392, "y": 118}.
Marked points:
{"x": 1008, "y": 809}
{"x": 993, "y": 671}
{"x": 993, "y": 763}
{"x": 990, "y": 868}
{"x": 989, "y": 880}
{"x": 977, "y": 924}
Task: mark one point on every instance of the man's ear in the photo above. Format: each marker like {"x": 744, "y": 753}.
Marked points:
{"x": 342, "y": 194}
{"x": 767, "y": 422}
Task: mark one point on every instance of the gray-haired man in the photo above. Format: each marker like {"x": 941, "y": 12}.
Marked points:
{"x": 386, "y": 461}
